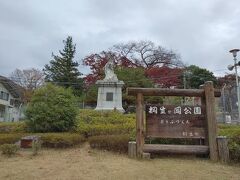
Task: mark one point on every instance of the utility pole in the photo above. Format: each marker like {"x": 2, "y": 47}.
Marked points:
{"x": 230, "y": 67}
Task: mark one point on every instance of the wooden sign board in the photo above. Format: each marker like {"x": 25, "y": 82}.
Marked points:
{"x": 169, "y": 121}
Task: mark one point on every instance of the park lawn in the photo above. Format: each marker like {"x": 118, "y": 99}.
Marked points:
{"x": 85, "y": 163}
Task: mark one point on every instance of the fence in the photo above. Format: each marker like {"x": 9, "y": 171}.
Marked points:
{"x": 228, "y": 105}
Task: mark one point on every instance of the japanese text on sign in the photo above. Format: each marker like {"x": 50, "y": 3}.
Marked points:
{"x": 175, "y": 121}
{"x": 196, "y": 110}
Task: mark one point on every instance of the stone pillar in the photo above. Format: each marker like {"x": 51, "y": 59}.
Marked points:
{"x": 109, "y": 95}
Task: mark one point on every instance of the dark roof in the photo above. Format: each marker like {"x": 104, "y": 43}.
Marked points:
{"x": 15, "y": 90}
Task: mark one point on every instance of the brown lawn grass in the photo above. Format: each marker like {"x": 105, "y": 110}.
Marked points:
{"x": 84, "y": 163}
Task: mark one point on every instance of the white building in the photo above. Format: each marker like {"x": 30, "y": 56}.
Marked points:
{"x": 10, "y": 100}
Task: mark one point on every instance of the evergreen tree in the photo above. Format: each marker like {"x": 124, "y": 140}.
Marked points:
{"x": 62, "y": 70}
{"x": 196, "y": 76}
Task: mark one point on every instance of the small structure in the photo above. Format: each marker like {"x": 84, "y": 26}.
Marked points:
{"x": 11, "y": 100}
{"x": 109, "y": 90}
{"x": 26, "y": 142}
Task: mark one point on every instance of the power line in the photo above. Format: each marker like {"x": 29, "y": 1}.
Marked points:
{"x": 163, "y": 77}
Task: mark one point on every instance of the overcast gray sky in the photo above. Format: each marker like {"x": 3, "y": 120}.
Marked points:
{"x": 202, "y": 31}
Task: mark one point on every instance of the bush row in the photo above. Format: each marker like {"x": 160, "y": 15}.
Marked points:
{"x": 234, "y": 148}
{"x": 110, "y": 131}
{"x": 116, "y": 143}
{"x": 93, "y": 123}
{"x": 119, "y": 143}
{"x": 10, "y": 138}
{"x": 233, "y": 133}
{"x": 50, "y": 140}
{"x": 229, "y": 130}
{"x": 13, "y": 127}
{"x": 61, "y": 140}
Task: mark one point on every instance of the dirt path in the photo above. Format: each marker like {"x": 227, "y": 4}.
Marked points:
{"x": 83, "y": 163}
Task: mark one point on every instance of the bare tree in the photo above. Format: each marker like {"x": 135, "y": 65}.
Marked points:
{"x": 30, "y": 79}
{"x": 147, "y": 54}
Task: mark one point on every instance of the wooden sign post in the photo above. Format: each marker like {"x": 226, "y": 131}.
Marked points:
{"x": 168, "y": 121}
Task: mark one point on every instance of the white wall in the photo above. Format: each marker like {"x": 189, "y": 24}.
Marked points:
{"x": 4, "y": 102}
{"x": 11, "y": 113}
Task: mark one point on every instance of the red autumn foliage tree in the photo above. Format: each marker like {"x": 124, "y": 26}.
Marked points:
{"x": 133, "y": 54}
{"x": 96, "y": 62}
{"x": 165, "y": 76}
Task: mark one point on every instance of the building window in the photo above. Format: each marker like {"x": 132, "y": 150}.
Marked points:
{"x": 109, "y": 96}
{"x": 4, "y": 96}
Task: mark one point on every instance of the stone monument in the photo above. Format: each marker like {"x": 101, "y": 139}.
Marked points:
{"x": 109, "y": 89}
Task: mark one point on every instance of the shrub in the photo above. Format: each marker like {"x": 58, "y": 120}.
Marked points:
{"x": 10, "y": 138}
{"x": 51, "y": 109}
{"x": 61, "y": 140}
{"x": 229, "y": 130}
{"x": 233, "y": 133}
{"x": 92, "y": 123}
{"x": 9, "y": 149}
{"x": 116, "y": 143}
{"x": 13, "y": 127}
{"x": 234, "y": 149}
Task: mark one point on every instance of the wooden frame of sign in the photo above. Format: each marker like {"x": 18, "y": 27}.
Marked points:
{"x": 168, "y": 121}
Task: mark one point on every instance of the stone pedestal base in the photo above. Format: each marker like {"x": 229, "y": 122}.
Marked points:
{"x": 109, "y": 95}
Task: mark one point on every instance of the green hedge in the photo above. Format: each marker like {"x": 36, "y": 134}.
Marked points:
{"x": 10, "y": 138}
{"x": 61, "y": 140}
{"x": 116, "y": 143}
{"x": 229, "y": 130}
{"x": 234, "y": 148}
{"x": 233, "y": 133}
{"x": 13, "y": 127}
{"x": 93, "y": 123}
{"x": 50, "y": 140}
